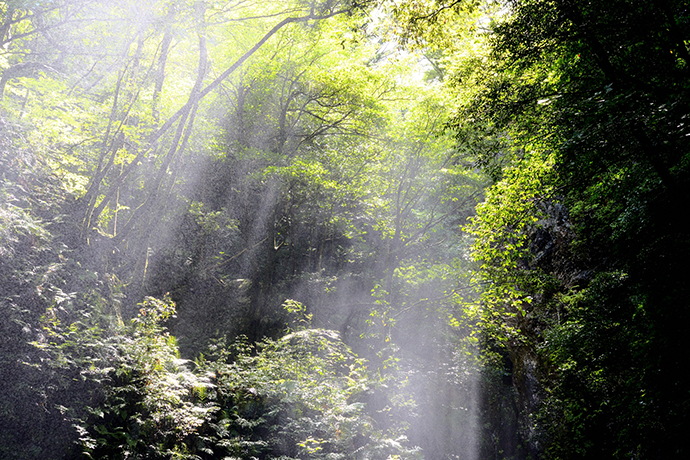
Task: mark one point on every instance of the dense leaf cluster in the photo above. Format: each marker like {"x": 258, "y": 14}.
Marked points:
{"x": 581, "y": 240}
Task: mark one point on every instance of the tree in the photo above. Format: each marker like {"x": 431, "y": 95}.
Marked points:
{"x": 596, "y": 90}
{"x": 182, "y": 166}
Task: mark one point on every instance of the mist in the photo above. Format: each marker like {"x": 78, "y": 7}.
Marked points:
{"x": 231, "y": 229}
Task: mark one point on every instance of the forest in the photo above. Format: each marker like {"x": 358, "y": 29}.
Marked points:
{"x": 344, "y": 229}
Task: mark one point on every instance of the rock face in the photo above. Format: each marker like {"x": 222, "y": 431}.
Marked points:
{"x": 551, "y": 246}
{"x": 512, "y": 400}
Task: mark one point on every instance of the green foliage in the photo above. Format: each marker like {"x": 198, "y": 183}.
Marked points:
{"x": 315, "y": 171}
{"x": 504, "y": 229}
{"x": 291, "y": 398}
{"x": 298, "y": 311}
{"x": 586, "y": 97}
{"x": 35, "y": 280}
{"x": 296, "y": 398}
{"x": 148, "y": 407}
{"x": 592, "y": 350}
